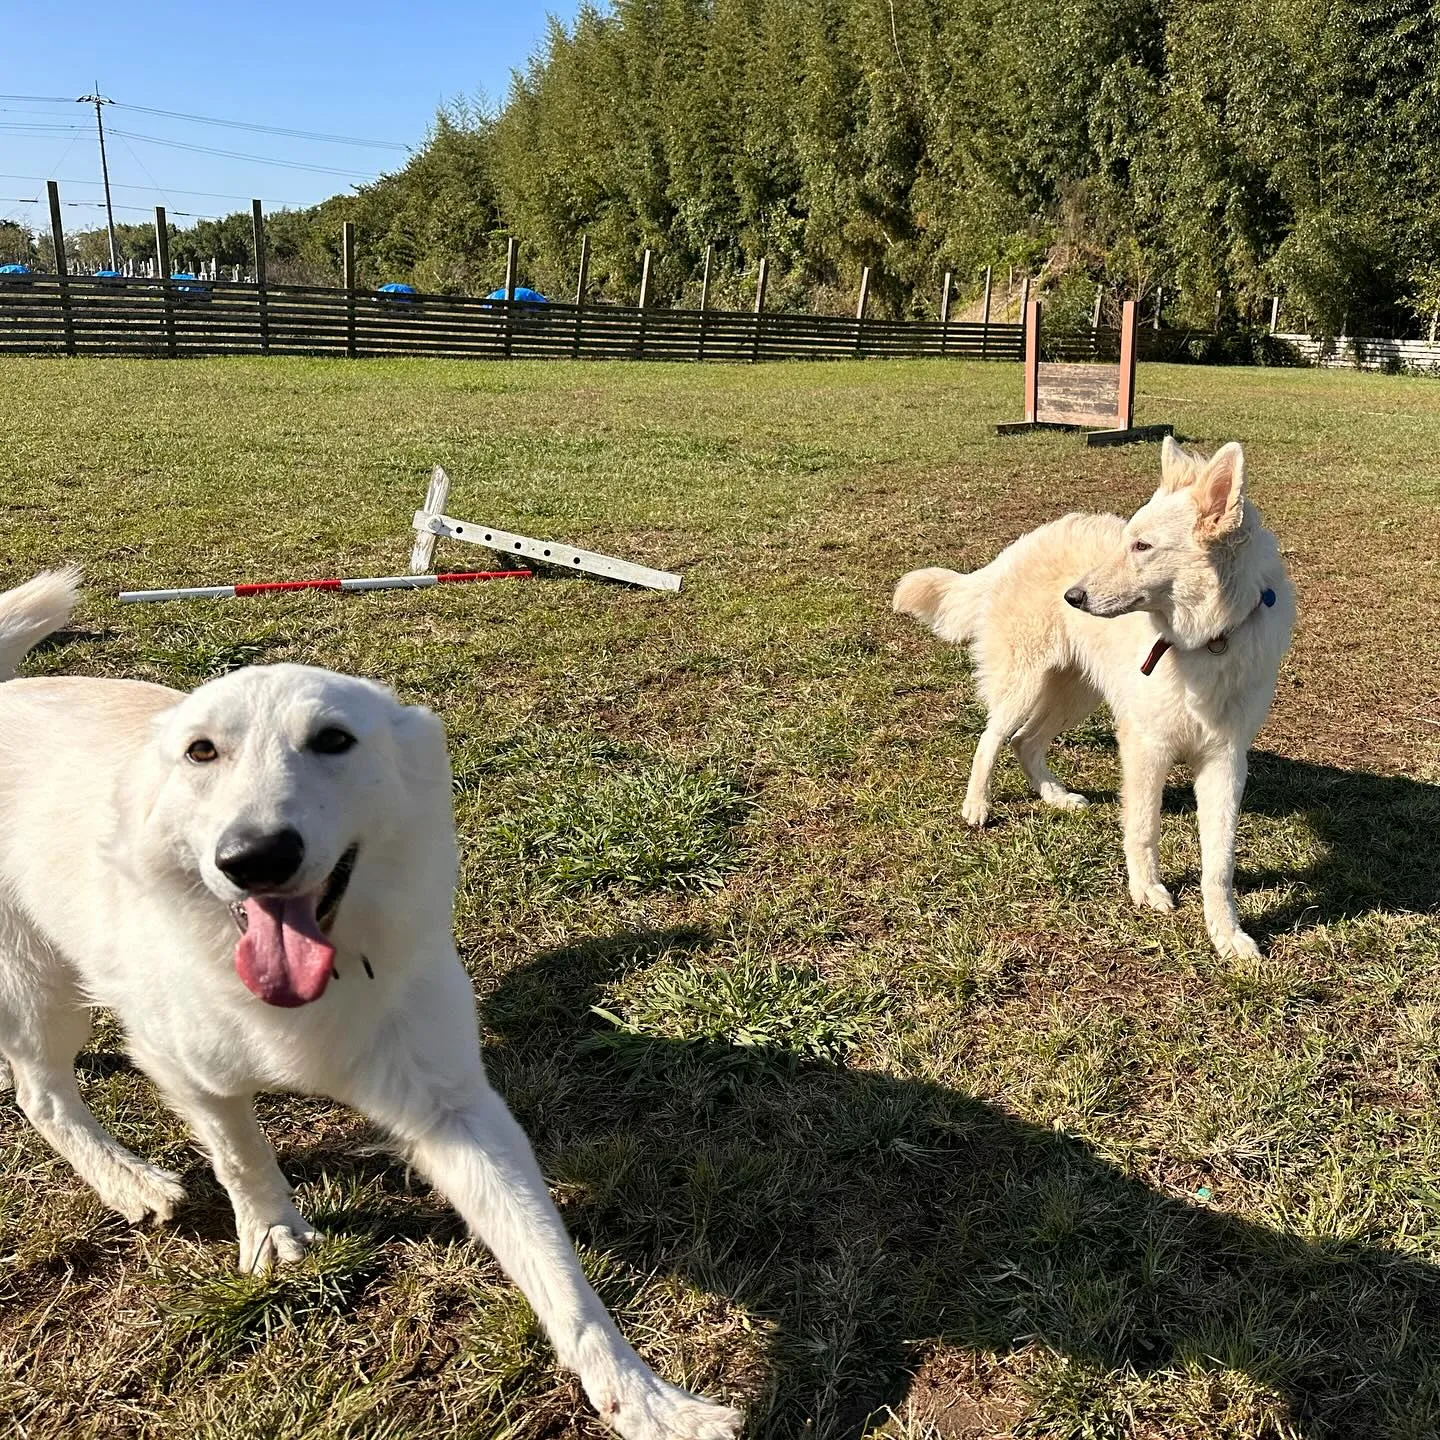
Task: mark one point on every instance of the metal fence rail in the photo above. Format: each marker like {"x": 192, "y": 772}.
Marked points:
{"x": 90, "y": 315}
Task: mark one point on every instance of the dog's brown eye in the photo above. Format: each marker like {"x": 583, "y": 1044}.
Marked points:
{"x": 202, "y": 751}
{"x": 1140, "y": 545}
{"x": 332, "y": 740}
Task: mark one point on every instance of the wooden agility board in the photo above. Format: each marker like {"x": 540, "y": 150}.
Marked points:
{"x": 1097, "y": 398}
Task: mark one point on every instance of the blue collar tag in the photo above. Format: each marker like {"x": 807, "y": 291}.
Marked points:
{"x": 1267, "y": 598}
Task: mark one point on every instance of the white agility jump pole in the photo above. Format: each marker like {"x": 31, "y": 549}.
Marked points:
{"x": 268, "y": 587}
{"x": 431, "y": 524}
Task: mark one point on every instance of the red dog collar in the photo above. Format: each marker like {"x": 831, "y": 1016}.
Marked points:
{"x": 1218, "y": 646}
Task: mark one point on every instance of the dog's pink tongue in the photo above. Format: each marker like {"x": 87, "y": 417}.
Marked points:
{"x": 283, "y": 956}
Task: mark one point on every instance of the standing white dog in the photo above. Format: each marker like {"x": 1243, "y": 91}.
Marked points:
{"x": 258, "y": 880}
{"x": 1178, "y": 618}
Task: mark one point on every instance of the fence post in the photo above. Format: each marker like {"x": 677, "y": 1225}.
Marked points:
{"x": 985, "y": 318}
{"x": 257, "y": 223}
{"x": 580, "y": 285}
{"x": 584, "y": 279}
{"x": 62, "y": 270}
{"x": 1024, "y": 297}
{"x": 1159, "y": 306}
{"x": 347, "y": 265}
{"x": 860, "y": 308}
{"x": 512, "y": 260}
{"x": 704, "y": 301}
{"x": 1095, "y": 314}
{"x": 162, "y": 264}
{"x": 759, "y": 306}
{"x": 1434, "y": 324}
{"x": 644, "y": 303}
{"x": 1216, "y": 325}
{"x": 1274, "y": 314}
{"x": 945, "y": 310}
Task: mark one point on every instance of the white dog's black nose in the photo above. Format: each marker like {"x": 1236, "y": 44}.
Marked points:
{"x": 1075, "y": 596}
{"x": 254, "y": 860}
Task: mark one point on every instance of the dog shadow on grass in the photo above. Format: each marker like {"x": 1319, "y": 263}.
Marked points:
{"x": 1377, "y": 835}
{"x": 864, "y": 1218}
{"x": 1378, "y": 832}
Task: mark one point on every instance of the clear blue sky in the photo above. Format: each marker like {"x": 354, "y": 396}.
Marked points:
{"x": 374, "y": 72}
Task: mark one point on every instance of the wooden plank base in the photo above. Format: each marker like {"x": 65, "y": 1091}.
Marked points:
{"x": 1016, "y": 427}
{"x": 1129, "y": 436}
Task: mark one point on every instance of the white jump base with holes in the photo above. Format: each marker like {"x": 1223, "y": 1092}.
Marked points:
{"x": 430, "y": 525}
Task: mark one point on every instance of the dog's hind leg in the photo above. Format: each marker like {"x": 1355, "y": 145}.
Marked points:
{"x": 42, "y": 1059}
{"x": 1018, "y": 698}
{"x": 1219, "y": 785}
{"x": 1144, "y": 764}
{"x": 1067, "y": 701}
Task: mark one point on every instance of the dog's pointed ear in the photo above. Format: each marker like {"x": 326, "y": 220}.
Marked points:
{"x": 1177, "y": 468}
{"x": 1220, "y": 491}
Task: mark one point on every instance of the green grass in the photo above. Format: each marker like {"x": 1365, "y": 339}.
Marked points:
{"x": 875, "y": 1125}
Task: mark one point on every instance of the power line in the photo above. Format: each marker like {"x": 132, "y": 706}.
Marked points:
{"x": 237, "y": 155}
{"x": 228, "y": 124}
{"x": 100, "y": 205}
{"x": 145, "y": 169}
{"x": 186, "y": 145}
{"x": 266, "y": 129}
{"x": 156, "y": 189}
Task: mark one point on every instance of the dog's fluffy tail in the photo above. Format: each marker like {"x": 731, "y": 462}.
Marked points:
{"x": 945, "y": 600}
{"x": 32, "y": 611}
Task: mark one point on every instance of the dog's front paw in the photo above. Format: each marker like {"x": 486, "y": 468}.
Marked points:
{"x": 1061, "y": 798}
{"x": 274, "y": 1240}
{"x": 1235, "y": 944}
{"x": 143, "y": 1192}
{"x": 641, "y": 1406}
{"x": 975, "y": 812}
{"x": 1154, "y": 895}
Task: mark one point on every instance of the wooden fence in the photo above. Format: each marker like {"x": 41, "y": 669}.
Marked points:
{"x": 1421, "y": 357}
{"x": 90, "y": 315}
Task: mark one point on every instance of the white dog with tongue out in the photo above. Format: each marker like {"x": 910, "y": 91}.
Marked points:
{"x": 258, "y": 879}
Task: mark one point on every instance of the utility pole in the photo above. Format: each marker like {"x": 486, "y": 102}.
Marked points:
{"x": 97, "y": 100}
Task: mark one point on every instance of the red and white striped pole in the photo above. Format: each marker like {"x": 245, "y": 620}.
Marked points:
{"x": 267, "y": 587}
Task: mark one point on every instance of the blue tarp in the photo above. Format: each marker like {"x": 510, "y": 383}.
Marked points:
{"x": 523, "y": 293}
{"x": 396, "y": 294}
{"x": 14, "y": 269}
